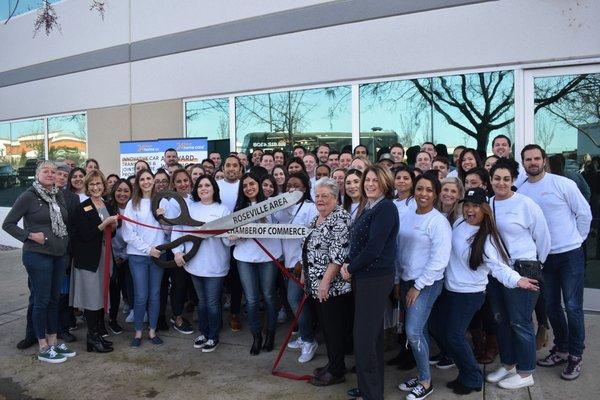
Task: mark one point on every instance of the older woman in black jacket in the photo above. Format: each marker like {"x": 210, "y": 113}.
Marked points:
{"x": 45, "y": 238}
{"x": 87, "y": 281}
{"x": 372, "y": 265}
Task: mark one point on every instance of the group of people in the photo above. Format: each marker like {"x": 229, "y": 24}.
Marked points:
{"x": 456, "y": 245}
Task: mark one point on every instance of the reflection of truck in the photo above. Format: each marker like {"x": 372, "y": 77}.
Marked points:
{"x": 8, "y": 176}
{"x": 27, "y": 172}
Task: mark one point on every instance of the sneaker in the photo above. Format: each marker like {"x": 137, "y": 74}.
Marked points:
{"x": 26, "y": 343}
{"x": 234, "y": 323}
{"x": 281, "y": 316}
{"x": 435, "y": 359}
{"x": 130, "y": 318}
{"x": 553, "y": 359}
{"x": 573, "y": 369}
{"x": 408, "y": 385}
{"x": 156, "y": 341}
{"x": 445, "y": 363}
{"x": 500, "y": 374}
{"x": 50, "y": 355}
{"x": 295, "y": 344}
{"x": 308, "y": 351}
{"x": 115, "y": 327}
{"x": 136, "y": 343}
{"x": 185, "y": 327}
{"x": 102, "y": 331}
{"x": 419, "y": 392}
{"x": 64, "y": 350}
{"x": 210, "y": 345}
{"x": 200, "y": 342}
{"x": 516, "y": 382}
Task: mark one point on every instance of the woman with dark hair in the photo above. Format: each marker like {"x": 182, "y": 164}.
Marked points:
{"x": 423, "y": 253}
{"x": 120, "y": 280}
{"x": 490, "y": 161}
{"x": 469, "y": 159}
{"x": 478, "y": 177}
{"x": 371, "y": 259}
{"x": 75, "y": 183}
{"x": 477, "y": 250}
{"x": 269, "y": 186}
{"x": 522, "y": 226}
{"x": 140, "y": 165}
{"x": 404, "y": 180}
{"x": 110, "y": 181}
{"x": 339, "y": 174}
{"x": 90, "y": 165}
{"x": 303, "y": 213}
{"x": 353, "y": 199}
{"x": 322, "y": 171}
{"x": 92, "y": 217}
{"x": 257, "y": 270}
{"x": 162, "y": 180}
{"x": 209, "y": 267}
{"x": 141, "y": 247}
{"x": 295, "y": 164}
{"x": 280, "y": 174}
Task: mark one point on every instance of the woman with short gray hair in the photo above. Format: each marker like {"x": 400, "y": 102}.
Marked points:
{"x": 323, "y": 253}
{"x": 45, "y": 238}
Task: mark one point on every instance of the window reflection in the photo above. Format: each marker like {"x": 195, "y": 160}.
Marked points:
{"x": 67, "y": 137}
{"x": 207, "y": 118}
{"x": 284, "y": 119}
{"x": 18, "y": 7}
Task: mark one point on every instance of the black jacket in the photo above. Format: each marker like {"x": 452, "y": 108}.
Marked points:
{"x": 87, "y": 238}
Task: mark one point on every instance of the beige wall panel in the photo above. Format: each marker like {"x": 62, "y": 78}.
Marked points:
{"x": 159, "y": 120}
{"x": 106, "y": 128}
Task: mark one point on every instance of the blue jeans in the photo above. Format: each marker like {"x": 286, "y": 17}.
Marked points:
{"x": 210, "y": 317}
{"x": 256, "y": 277}
{"x": 457, "y": 312}
{"x": 564, "y": 273}
{"x": 513, "y": 309}
{"x": 294, "y": 296}
{"x": 147, "y": 277}
{"x": 416, "y": 323}
{"x": 46, "y": 274}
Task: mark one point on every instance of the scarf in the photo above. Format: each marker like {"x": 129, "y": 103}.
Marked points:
{"x": 49, "y": 196}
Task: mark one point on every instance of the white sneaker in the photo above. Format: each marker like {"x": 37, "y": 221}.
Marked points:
{"x": 295, "y": 344}
{"x": 130, "y": 318}
{"x": 308, "y": 351}
{"x": 281, "y": 316}
{"x": 516, "y": 382}
{"x": 499, "y": 374}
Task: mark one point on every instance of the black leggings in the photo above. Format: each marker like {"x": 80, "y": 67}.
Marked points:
{"x": 94, "y": 319}
{"x": 120, "y": 282}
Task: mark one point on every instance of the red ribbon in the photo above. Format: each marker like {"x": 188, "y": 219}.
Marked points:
{"x": 107, "y": 256}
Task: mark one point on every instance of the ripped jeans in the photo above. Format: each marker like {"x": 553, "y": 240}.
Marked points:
{"x": 416, "y": 323}
{"x": 513, "y": 309}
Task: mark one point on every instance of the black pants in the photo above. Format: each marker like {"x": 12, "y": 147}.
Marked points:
{"x": 65, "y": 314}
{"x": 177, "y": 289}
{"x": 234, "y": 286}
{"x": 370, "y": 300}
{"x": 540, "y": 308}
{"x": 120, "y": 282}
{"x": 332, "y": 314}
{"x": 94, "y": 319}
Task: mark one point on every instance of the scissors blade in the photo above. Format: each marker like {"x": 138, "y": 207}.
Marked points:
{"x": 252, "y": 213}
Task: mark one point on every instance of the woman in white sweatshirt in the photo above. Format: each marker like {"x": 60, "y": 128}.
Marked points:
{"x": 476, "y": 251}
{"x": 258, "y": 273}
{"x": 209, "y": 267}
{"x": 524, "y": 232}
{"x": 141, "y": 246}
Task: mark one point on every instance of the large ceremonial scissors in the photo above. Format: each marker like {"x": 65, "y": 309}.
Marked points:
{"x": 215, "y": 227}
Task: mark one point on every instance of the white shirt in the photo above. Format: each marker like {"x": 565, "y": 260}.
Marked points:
{"x": 453, "y": 173}
{"x": 404, "y": 206}
{"x": 212, "y": 259}
{"x": 566, "y": 211}
{"x": 139, "y": 238}
{"x": 228, "y": 193}
{"x": 423, "y": 248}
{"x": 460, "y": 277}
{"x": 523, "y": 227}
{"x": 300, "y": 214}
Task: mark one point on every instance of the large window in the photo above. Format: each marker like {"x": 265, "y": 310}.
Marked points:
{"x": 284, "y": 119}
{"x": 17, "y": 7}
{"x": 22, "y": 143}
{"x": 468, "y": 110}
{"x": 207, "y": 118}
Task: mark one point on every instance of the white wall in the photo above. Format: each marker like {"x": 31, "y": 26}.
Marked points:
{"x": 5, "y": 238}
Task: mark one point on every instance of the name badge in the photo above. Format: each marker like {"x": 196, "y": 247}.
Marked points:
{"x": 88, "y": 208}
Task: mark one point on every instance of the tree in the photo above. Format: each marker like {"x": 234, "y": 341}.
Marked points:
{"x": 544, "y": 133}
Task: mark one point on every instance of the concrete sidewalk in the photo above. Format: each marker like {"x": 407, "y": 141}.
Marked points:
{"x": 178, "y": 371}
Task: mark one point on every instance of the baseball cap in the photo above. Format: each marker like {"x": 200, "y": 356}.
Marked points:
{"x": 475, "y": 196}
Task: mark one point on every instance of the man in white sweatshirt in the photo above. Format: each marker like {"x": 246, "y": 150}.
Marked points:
{"x": 568, "y": 215}
{"x": 501, "y": 147}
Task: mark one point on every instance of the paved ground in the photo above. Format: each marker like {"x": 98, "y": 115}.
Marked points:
{"x": 176, "y": 370}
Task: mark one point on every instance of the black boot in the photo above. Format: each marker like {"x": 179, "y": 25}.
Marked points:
{"x": 269, "y": 341}
{"x": 257, "y": 344}
{"x": 101, "y": 328}
{"x": 94, "y": 343}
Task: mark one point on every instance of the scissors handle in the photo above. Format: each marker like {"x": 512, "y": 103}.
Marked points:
{"x": 195, "y": 240}
{"x": 183, "y": 218}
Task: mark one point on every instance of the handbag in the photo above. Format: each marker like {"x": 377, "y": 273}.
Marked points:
{"x": 528, "y": 268}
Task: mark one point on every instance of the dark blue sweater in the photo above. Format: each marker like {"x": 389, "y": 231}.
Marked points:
{"x": 373, "y": 241}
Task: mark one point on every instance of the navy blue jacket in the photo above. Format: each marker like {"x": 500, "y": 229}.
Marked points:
{"x": 373, "y": 241}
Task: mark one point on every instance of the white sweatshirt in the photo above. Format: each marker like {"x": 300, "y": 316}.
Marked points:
{"x": 404, "y": 206}
{"x": 228, "y": 193}
{"x": 300, "y": 214}
{"x": 460, "y": 277}
{"x": 139, "y": 238}
{"x": 566, "y": 211}
{"x": 248, "y": 250}
{"x": 423, "y": 248}
{"x": 523, "y": 227}
{"x": 212, "y": 260}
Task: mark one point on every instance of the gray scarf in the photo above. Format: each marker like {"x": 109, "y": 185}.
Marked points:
{"x": 49, "y": 196}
